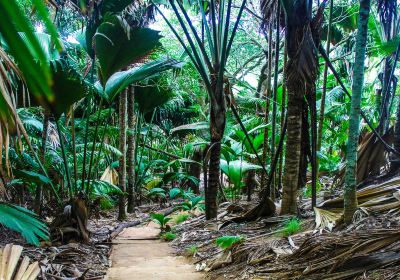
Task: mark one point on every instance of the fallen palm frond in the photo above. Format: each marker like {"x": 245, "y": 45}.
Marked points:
{"x": 11, "y": 268}
{"x": 372, "y": 195}
{"x": 325, "y": 219}
{"x": 338, "y": 255}
{"x": 372, "y": 157}
{"x": 373, "y": 199}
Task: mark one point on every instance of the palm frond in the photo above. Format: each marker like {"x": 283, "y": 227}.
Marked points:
{"x": 23, "y": 221}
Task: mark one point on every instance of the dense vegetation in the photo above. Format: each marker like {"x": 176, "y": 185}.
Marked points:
{"x": 113, "y": 104}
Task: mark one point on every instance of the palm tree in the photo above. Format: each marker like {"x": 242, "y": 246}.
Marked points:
{"x": 300, "y": 76}
{"x": 350, "y": 197}
{"x": 211, "y": 67}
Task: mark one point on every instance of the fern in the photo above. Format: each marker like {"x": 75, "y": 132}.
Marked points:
{"x": 24, "y": 222}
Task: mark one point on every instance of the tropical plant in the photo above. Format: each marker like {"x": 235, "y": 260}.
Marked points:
{"x": 228, "y": 241}
{"x": 291, "y": 227}
{"x": 211, "y": 66}
{"x": 168, "y": 236}
{"x": 161, "y": 220}
{"x": 192, "y": 204}
{"x": 23, "y": 221}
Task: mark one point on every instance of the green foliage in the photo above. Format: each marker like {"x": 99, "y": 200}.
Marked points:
{"x": 31, "y": 177}
{"x": 180, "y": 193}
{"x": 180, "y": 218}
{"x": 118, "y": 45}
{"x": 308, "y": 191}
{"x": 24, "y": 222}
{"x": 120, "y": 80}
{"x": 168, "y": 236}
{"x": 106, "y": 204}
{"x": 235, "y": 170}
{"x": 228, "y": 241}
{"x": 193, "y": 203}
{"x": 192, "y": 250}
{"x": 156, "y": 193}
{"x": 68, "y": 87}
{"x": 160, "y": 219}
{"x": 291, "y": 227}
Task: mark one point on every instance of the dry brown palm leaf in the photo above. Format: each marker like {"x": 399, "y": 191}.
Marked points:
{"x": 110, "y": 176}
{"x": 372, "y": 157}
{"x": 10, "y": 124}
{"x": 325, "y": 219}
{"x": 369, "y": 196}
{"x": 11, "y": 268}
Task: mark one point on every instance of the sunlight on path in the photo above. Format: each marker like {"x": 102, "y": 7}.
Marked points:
{"x": 140, "y": 255}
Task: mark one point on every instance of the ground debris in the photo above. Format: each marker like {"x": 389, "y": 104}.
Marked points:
{"x": 367, "y": 249}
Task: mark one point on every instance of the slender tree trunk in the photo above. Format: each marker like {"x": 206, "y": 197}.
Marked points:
{"x": 217, "y": 128}
{"x": 251, "y": 183}
{"x": 39, "y": 189}
{"x": 275, "y": 92}
{"x": 131, "y": 149}
{"x": 283, "y": 113}
{"x": 195, "y": 169}
{"x": 350, "y": 197}
{"x": 267, "y": 95}
{"x": 324, "y": 83}
{"x": 122, "y": 148}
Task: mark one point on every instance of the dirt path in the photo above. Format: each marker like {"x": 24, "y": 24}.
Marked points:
{"x": 140, "y": 255}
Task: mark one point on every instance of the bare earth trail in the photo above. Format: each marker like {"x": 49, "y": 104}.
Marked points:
{"x": 139, "y": 254}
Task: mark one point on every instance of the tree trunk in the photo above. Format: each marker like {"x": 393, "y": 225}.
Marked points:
{"x": 195, "y": 169}
{"x": 39, "y": 188}
{"x": 350, "y": 197}
{"x": 217, "y": 128}
{"x": 324, "y": 83}
{"x": 267, "y": 95}
{"x": 131, "y": 150}
{"x": 122, "y": 148}
{"x": 293, "y": 151}
{"x": 301, "y": 73}
{"x": 250, "y": 183}
{"x": 274, "y": 96}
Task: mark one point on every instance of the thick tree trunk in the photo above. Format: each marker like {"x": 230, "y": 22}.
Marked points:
{"x": 131, "y": 150}
{"x": 122, "y": 148}
{"x": 350, "y": 197}
{"x": 217, "y": 128}
{"x": 39, "y": 189}
{"x": 291, "y": 171}
{"x": 301, "y": 73}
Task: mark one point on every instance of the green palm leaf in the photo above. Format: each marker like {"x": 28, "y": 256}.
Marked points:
{"x": 68, "y": 86}
{"x": 23, "y": 221}
{"x": 118, "y": 45}
{"x": 120, "y": 80}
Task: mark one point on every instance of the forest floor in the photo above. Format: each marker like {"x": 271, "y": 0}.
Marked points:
{"x": 268, "y": 248}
